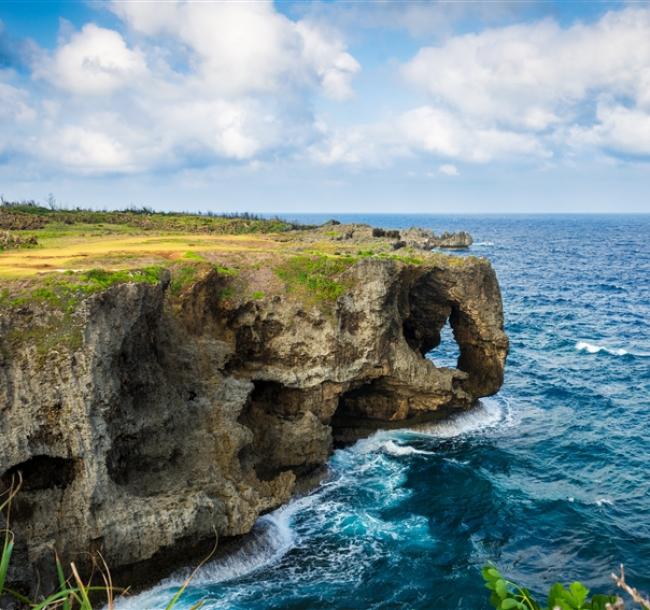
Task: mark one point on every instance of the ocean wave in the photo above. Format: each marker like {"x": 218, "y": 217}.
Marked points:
{"x": 393, "y": 448}
{"x": 488, "y": 415}
{"x": 483, "y": 244}
{"x": 271, "y": 538}
{"x": 592, "y": 348}
{"x": 269, "y": 541}
{"x": 385, "y": 441}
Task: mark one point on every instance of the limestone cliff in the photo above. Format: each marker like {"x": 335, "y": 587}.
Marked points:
{"x": 171, "y": 420}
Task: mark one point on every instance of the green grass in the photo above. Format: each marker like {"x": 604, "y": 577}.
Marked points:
{"x": 316, "y": 275}
{"x": 60, "y": 295}
{"x": 193, "y": 256}
{"x": 229, "y": 271}
{"x": 64, "y": 291}
{"x": 182, "y": 277}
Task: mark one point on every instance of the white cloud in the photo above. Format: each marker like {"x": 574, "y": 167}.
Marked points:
{"x": 186, "y": 83}
{"x": 243, "y": 47}
{"x": 425, "y": 129}
{"x": 14, "y": 104}
{"x": 87, "y": 150}
{"x": 333, "y": 66}
{"x": 195, "y": 84}
{"x": 524, "y": 92}
{"x": 619, "y": 129}
{"x": 94, "y": 61}
{"x": 535, "y": 76}
{"x": 448, "y": 169}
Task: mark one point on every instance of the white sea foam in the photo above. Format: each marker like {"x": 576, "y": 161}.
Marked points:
{"x": 583, "y": 346}
{"x": 592, "y": 348}
{"x": 269, "y": 541}
{"x": 488, "y": 415}
{"x": 604, "y": 502}
{"x": 483, "y": 244}
{"x": 393, "y": 448}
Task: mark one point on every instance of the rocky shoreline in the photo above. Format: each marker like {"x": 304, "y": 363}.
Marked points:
{"x": 181, "y": 415}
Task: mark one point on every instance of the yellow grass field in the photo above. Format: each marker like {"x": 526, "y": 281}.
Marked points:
{"x": 127, "y": 251}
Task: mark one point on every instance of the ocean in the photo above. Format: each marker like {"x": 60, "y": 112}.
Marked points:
{"x": 549, "y": 479}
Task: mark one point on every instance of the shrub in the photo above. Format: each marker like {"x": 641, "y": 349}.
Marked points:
{"x": 507, "y": 595}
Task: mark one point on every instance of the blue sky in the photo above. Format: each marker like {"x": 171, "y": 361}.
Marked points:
{"x": 327, "y": 106}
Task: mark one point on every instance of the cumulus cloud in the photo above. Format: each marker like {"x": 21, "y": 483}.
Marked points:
{"x": 182, "y": 84}
{"x": 621, "y": 129}
{"x": 14, "y": 104}
{"x": 446, "y": 134}
{"x": 242, "y": 47}
{"x": 522, "y": 92}
{"x": 94, "y": 61}
{"x": 424, "y": 130}
{"x": 539, "y": 77}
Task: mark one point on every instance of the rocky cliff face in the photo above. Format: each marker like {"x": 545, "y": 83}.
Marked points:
{"x": 175, "y": 419}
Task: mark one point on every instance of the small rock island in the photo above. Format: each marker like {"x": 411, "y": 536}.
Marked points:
{"x": 165, "y": 378}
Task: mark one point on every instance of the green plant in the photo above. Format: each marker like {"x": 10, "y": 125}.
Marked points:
{"x": 506, "y": 595}
{"x": 315, "y": 274}
{"x": 193, "y": 256}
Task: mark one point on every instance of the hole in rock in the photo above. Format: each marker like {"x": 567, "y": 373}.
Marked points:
{"x": 447, "y": 353}
{"x": 42, "y": 472}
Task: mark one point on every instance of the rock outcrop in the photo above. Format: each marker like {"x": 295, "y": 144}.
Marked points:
{"x": 173, "y": 420}
{"x": 415, "y": 237}
{"x": 424, "y": 239}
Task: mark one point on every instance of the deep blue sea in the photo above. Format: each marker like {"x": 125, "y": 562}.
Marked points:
{"x": 549, "y": 479}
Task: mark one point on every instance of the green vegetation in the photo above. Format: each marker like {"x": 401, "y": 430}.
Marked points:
{"x": 60, "y": 295}
{"x": 229, "y": 271}
{"x": 258, "y": 295}
{"x": 30, "y": 215}
{"x": 64, "y": 291}
{"x": 316, "y": 275}
{"x": 193, "y": 256}
{"x": 73, "y": 593}
{"x": 506, "y": 595}
{"x": 182, "y": 277}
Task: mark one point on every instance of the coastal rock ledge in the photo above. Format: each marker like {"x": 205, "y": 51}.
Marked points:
{"x": 175, "y": 419}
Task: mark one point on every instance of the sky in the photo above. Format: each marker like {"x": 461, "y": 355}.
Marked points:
{"x": 357, "y": 106}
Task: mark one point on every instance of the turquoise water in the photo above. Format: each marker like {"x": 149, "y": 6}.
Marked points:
{"x": 550, "y": 479}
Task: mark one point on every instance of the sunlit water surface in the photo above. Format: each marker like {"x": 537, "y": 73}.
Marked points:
{"x": 550, "y": 479}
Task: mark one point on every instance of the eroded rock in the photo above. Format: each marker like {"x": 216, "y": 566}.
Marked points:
{"x": 173, "y": 422}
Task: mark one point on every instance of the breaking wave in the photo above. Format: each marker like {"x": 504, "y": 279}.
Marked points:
{"x": 591, "y": 348}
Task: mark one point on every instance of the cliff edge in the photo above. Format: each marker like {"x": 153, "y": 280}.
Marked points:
{"x": 155, "y": 412}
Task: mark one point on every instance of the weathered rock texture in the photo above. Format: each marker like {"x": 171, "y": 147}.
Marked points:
{"x": 176, "y": 420}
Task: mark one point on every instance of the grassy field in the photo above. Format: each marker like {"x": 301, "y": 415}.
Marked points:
{"x": 55, "y": 258}
{"x": 83, "y": 239}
